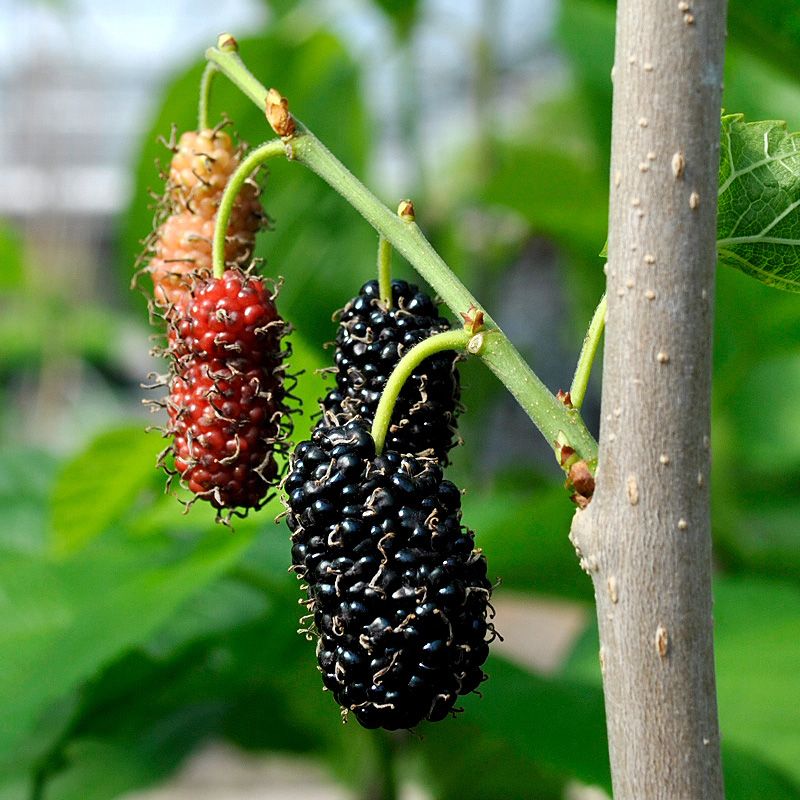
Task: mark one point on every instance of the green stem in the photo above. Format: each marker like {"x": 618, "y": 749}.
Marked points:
{"x": 448, "y": 340}
{"x": 591, "y": 342}
{"x": 232, "y": 65}
{"x": 555, "y": 421}
{"x": 385, "y": 271}
{"x": 386, "y": 788}
{"x": 254, "y": 160}
{"x": 203, "y": 123}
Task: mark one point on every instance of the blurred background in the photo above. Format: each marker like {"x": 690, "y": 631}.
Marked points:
{"x": 151, "y": 655}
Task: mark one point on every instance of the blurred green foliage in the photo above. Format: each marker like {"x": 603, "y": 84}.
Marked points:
{"x": 130, "y": 634}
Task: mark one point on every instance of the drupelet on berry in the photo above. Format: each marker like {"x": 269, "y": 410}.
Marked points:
{"x": 370, "y": 341}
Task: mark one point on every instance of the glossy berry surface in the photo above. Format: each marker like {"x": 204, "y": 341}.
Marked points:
{"x": 370, "y": 342}
{"x": 399, "y": 596}
{"x": 226, "y": 395}
{"x": 223, "y": 433}
{"x": 232, "y": 317}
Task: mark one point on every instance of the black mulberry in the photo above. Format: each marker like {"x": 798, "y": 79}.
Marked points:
{"x": 370, "y": 341}
{"x": 398, "y": 594}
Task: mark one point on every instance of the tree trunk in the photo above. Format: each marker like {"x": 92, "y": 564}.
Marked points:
{"x": 645, "y": 537}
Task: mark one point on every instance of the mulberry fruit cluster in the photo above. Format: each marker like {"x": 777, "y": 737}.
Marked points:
{"x": 180, "y": 249}
{"x": 398, "y": 594}
{"x": 370, "y": 342}
{"x": 227, "y": 414}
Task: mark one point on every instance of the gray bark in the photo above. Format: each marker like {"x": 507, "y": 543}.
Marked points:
{"x": 645, "y": 538}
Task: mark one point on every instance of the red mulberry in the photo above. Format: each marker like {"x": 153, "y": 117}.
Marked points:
{"x": 227, "y": 412}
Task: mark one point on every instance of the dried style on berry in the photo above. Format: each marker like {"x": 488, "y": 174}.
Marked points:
{"x": 370, "y": 342}
{"x": 180, "y": 248}
{"x": 227, "y": 398}
{"x": 397, "y": 592}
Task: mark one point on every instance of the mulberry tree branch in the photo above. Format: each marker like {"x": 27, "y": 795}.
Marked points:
{"x": 558, "y": 424}
{"x": 645, "y": 538}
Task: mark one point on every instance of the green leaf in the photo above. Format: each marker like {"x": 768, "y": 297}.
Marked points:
{"x": 101, "y": 769}
{"x": 525, "y": 537}
{"x": 221, "y": 606}
{"x": 19, "y": 766}
{"x": 758, "y": 224}
{"x": 99, "y": 485}
{"x": 760, "y": 536}
{"x": 757, "y": 644}
{"x": 770, "y": 28}
{"x": 11, "y": 266}
{"x": 558, "y": 721}
{"x": 51, "y": 324}
{"x": 17, "y": 788}
{"x": 765, "y": 408}
{"x": 450, "y": 753}
{"x": 747, "y": 777}
{"x": 402, "y": 15}
{"x": 255, "y": 684}
{"x": 60, "y": 622}
{"x": 26, "y": 476}
{"x": 539, "y": 175}
{"x": 541, "y": 182}
{"x": 586, "y": 31}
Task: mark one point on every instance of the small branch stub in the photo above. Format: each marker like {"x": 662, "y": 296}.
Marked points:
{"x": 475, "y": 344}
{"x": 581, "y": 481}
{"x": 278, "y": 116}
{"x": 227, "y": 43}
{"x": 474, "y": 319}
{"x": 405, "y": 210}
{"x": 565, "y": 398}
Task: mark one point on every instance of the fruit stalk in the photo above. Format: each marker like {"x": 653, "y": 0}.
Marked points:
{"x": 205, "y": 92}
{"x": 230, "y": 63}
{"x": 371, "y": 340}
{"x": 448, "y": 340}
{"x": 591, "y": 342}
{"x": 254, "y": 160}
{"x": 385, "y": 271}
